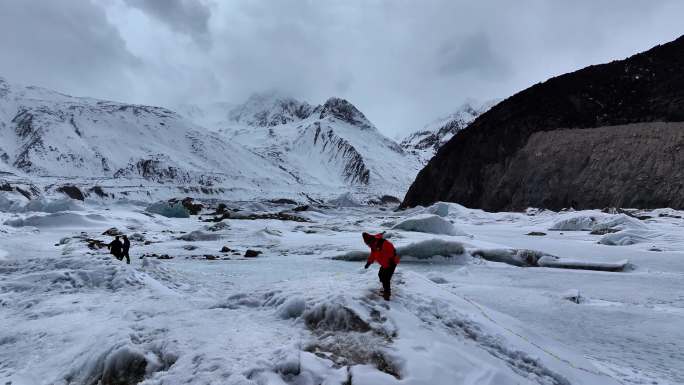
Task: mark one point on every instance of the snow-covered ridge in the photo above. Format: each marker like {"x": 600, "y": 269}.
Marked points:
{"x": 270, "y": 146}
{"x": 332, "y": 144}
{"x": 426, "y": 141}
{"x": 268, "y": 110}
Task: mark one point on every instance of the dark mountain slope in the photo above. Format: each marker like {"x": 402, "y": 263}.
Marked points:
{"x": 481, "y": 166}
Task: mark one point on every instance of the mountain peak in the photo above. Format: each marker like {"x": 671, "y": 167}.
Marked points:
{"x": 270, "y": 109}
{"x": 345, "y": 111}
{"x": 433, "y": 135}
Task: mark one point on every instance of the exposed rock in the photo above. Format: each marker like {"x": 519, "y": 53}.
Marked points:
{"x": 71, "y": 191}
{"x": 193, "y": 208}
{"x": 113, "y": 231}
{"x": 301, "y": 208}
{"x": 252, "y": 253}
{"x": 605, "y": 136}
{"x": 97, "y": 190}
{"x": 226, "y": 249}
{"x": 283, "y": 201}
{"x": 389, "y": 200}
{"x": 536, "y": 233}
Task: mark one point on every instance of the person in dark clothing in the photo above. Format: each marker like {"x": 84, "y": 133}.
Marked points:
{"x": 382, "y": 252}
{"x": 126, "y": 247}
{"x": 115, "y": 248}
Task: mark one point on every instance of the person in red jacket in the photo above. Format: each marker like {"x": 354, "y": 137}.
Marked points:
{"x": 382, "y": 252}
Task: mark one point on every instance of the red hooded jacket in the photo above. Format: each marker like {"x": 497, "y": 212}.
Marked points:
{"x": 385, "y": 254}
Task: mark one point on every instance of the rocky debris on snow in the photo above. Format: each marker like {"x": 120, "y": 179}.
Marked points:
{"x": 226, "y": 249}
{"x": 192, "y": 207}
{"x": 301, "y": 208}
{"x": 96, "y": 244}
{"x": 112, "y": 231}
{"x": 666, "y": 215}
{"x": 99, "y": 191}
{"x": 384, "y": 200}
{"x": 536, "y": 233}
{"x": 72, "y": 192}
{"x": 428, "y": 223}
{"x": 282, "y": 216}
{"x": 169, "y": 209}
{"x": 221, "y": 208}
{"x": 283, "y": 201}
{"x": 252, "y": 253}
{"x": 156, "y": 256}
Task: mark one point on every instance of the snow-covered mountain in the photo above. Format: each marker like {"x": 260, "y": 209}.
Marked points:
{"x": 268, "y": 146}
{"x": 332, "y": 144}
{"x": 426, "y": 141}
{"x": 47, "y": 134}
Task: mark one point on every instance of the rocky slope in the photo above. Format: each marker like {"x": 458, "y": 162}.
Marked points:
{"x": 425, "y": 142}
{"x": 583, "y": 139}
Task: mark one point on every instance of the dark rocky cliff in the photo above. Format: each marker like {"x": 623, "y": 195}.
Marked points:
{"x": 515, "y": 156}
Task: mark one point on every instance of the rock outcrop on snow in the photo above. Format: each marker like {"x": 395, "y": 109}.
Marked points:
{"x": 606, "y": 135}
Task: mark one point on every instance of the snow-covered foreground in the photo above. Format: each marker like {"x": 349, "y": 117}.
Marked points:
{"x": 70, "y": 314}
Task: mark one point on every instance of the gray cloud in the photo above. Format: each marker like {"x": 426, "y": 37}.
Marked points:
{"x": 66, "y": 45}
{"x": 472, "y": 53}
{"x": 190, "y": 17}
{"x": 403, "y": 63}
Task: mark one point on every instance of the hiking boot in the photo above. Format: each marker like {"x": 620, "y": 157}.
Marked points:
{"x": 386, "y": 296}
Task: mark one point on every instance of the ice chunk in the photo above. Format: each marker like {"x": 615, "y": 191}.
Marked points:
{"x": 439, "y": 208}
{"x": 169, "y": 210}
{"x": 623, "y": 238}
{"x": 428, "y": 223}
{"x": 57, "y": 220}
{"x": 292, "y": 308}
{"x": 576, "y": 223}
{"x": 198, "y": 235}
{"x": 422, "y": 250}
{"x": 515, "y": 257}
{"x": 565, "y": 263}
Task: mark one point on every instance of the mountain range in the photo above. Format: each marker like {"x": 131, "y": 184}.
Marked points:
{"x": 269, "y": 146}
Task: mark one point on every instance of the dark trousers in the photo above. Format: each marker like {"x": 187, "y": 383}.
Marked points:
{"x": 385, "y": 275}
{"x": 125, "y": 254}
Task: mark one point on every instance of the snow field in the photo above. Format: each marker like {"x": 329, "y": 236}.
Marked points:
{"x": 295, "y": 315}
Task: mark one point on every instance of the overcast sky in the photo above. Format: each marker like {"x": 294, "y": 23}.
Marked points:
{"x": 403, "y": 63}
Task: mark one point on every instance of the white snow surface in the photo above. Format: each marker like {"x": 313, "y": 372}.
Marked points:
{"x": 428, "y": 223}
{"x": 74, "y": 315}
